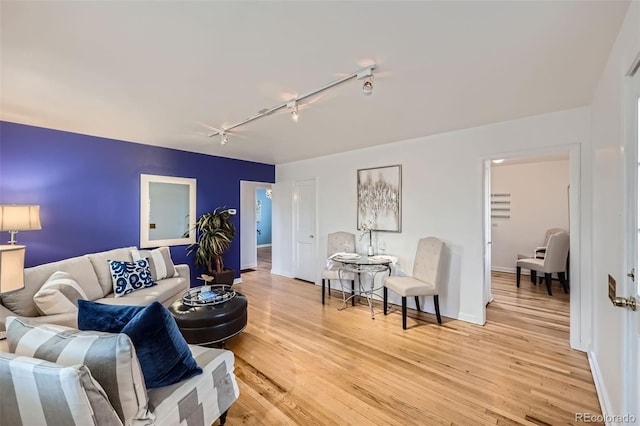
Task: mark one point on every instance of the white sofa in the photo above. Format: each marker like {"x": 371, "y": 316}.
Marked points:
{"x": 92, "y": 272}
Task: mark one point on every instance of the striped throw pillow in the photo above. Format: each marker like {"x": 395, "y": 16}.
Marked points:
{"x": 59, "y": 295}
{"x": 160, "y": 262}
{"x": 110, "y": 357}
{"x": 37, "y": 392}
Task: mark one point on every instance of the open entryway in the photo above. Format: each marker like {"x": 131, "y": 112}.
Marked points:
{"x": 528, "y": 197}
{"x": 255, "y": 225}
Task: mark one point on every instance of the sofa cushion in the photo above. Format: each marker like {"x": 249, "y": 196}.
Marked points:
{"x": 21, "y": 301}
{"x": 111, "y": 358}
{"x": 164, "y": 354}
{"x": 59, "y": 294}
{"x": 201, "y": 399}
{"x": 40, "y": 392}
{"x": 130, "y": 276}
{"x": 166, "y": 292}
{"x": 160, "y": 262}
{"x": 100, "y": 262}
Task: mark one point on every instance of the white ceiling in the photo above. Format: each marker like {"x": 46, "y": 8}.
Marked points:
{"x": 159, "y": 73}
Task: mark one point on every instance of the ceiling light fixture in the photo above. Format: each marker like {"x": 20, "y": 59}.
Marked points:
{"x": 223, "y": 138}
{"x": 498, "y": 160}
{"x": 293, "y": 107}
{"x": 364, "y": 73}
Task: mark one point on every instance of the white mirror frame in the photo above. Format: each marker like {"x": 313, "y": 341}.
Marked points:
{"x": 145, "y": 210}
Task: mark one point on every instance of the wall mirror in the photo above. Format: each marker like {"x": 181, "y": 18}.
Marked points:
{"x": 167, "y": 210}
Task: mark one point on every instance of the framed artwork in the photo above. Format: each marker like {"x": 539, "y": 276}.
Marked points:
{"x": 380, "y": 198}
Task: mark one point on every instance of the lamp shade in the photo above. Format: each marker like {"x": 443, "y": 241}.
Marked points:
{"x": 19, "y": 217}
{"x": 11, "y": 268}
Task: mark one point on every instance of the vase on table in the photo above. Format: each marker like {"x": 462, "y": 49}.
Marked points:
{"x": 370, "y": 250}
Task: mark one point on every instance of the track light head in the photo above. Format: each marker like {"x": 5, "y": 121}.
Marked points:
{"x": 293, "y": 107}
{"x": 223, "y": 138}
{"x": 367, "y": 87}
{"x": 367, "y": 75}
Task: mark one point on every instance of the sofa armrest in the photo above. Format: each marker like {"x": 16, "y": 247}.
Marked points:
{"x": 82, "y": 402}
{"x": 4, "y": 313}
{"x": 184, "y": 272}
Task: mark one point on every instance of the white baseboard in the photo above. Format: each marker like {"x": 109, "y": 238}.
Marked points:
{"x": 509, "y": 270}
{"x": 237, "y": 280}
{"x": 264, "y": 245}
{"x": 283, "y": 273}
{"x": 469, "y": 318}
{"x": 601, "y": 390}
{"x": 251, "y": 266}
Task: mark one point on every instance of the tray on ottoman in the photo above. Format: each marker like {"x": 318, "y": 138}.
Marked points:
{"x": 210, "y": 323}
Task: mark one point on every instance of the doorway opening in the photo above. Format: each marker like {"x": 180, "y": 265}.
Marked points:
{"x": 526, "y": 197}
{"x": 255, "y": 225}
{"x": 263, "y": 228}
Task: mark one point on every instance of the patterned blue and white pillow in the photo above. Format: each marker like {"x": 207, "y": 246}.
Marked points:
{"x": 128, "y": 277}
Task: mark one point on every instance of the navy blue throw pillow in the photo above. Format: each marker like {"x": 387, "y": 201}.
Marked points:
{"x": 102, "y": 317}
{"x": 163, "y": 353}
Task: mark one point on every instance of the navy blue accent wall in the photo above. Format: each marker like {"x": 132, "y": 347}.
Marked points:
{"x": 88, "y": 189}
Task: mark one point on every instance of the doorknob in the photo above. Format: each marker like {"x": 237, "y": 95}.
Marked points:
{"x": 620, "y": 302}
{"x": 311, "y": 236}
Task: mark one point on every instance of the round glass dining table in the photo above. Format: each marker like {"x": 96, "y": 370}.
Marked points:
{"x": 371, "y": 265}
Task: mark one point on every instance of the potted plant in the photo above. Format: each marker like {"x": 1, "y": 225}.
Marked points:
{"x": 214, "y": 233}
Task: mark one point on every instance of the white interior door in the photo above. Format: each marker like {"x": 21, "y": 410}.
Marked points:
{"x": 631, "y": 346}
{"x": 304, "y": 234}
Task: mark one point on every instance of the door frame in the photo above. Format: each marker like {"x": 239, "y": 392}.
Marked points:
{"x": 579, "y": 297}
{"x": 248, "y": 240}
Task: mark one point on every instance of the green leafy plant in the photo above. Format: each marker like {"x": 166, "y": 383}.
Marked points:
{"x": 214, "y": 233}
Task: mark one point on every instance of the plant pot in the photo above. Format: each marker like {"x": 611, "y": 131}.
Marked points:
{"x": 225, "y": 277}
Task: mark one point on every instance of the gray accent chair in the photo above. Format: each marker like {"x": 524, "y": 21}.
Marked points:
{"x": 425, "y": 281}
{"x": 554, "y": 261}
{"x": 338, "y": 242}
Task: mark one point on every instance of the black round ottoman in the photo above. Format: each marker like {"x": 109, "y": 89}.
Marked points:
{"x": 212, "y": 324}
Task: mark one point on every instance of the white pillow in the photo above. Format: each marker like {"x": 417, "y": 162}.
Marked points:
{"x": 160, "y": 262}
{"x": 59, "y": 295}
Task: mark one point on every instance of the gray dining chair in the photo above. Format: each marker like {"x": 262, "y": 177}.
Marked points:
{"x": 338, "y": 242}
{"x": 425, "y": 280}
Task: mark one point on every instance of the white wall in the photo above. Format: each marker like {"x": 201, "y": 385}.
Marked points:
{"x": 442, "y": 195}
{"x": 608, "y": 204}
{"x": 539, "y": 201}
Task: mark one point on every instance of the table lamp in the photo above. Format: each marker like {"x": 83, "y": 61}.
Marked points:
{"x": 14, "y": 218}
{"x": 11, "y": 268}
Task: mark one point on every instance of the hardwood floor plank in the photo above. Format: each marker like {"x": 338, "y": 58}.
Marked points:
{"x": 299, "y": 362}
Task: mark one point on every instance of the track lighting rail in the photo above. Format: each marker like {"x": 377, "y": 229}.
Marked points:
{"x": 366, "y": 72}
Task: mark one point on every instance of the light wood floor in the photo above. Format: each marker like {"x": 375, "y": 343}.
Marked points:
{"x": 264, "y": 258}
{"x": 301, "y": 363}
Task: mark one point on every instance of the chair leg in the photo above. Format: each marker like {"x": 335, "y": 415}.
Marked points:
{"x": 533, "y": 276}
{"x": 404, "y": 313}
{"x": 329, "y": 288}
{"x": 518, "y": 271}
{"x": 353, "y": 292}
{"x": 323, "y": 291}
{"x": 223, "y": 418}
{"x": 547, "y": 278}
{"x": 563, "y": 280}
{"x": 417, "y": 303}
{"x": 384, "y": 299}
{"x": 436, "y": 304}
